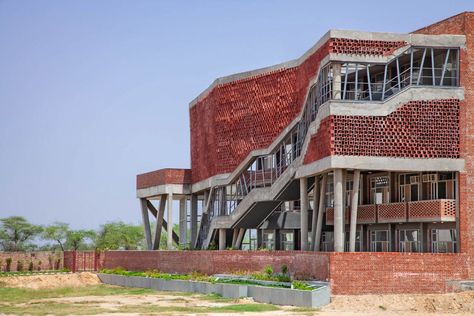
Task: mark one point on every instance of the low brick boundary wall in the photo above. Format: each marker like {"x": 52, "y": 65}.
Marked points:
{"x": 348, "y": 273}
{"x": 302, "y": 264}
{"x": 42, "y": 260}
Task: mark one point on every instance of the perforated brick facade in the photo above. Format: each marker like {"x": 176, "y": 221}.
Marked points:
{"x": 418, "y": 129}
{"x": 163, "y": 176}
{"x": 235, "y": 118}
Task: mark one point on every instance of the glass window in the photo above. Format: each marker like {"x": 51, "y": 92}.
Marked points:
{"x": 287, "y": 240}
{"x": 250, "y": 240}
{"x": 409, "y": 240}
{"x": 443, "y": 240}
{"x": 268, "y": 239}
{"x": 379, "y": 190}
{"x": 379, "y": 241}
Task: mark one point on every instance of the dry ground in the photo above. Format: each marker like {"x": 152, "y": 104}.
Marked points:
{"x": 82, "y": 293}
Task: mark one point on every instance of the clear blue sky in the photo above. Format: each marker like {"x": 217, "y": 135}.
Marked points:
{"x": 94, "y": 92}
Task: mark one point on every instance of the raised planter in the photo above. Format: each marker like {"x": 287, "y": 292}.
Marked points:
{"x": 263, "y": 294}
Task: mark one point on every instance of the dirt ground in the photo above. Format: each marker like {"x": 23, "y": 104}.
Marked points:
{"x": 183, "y": 304}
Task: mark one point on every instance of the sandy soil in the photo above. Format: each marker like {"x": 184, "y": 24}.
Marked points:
{"x": 44, "y": 281}
{"x": 400, "y": 305}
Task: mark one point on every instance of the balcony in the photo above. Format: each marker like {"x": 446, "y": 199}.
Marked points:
{"x": 392, "y": 212}
{"x": 401, "y": 212}
{"x": 432, "y": 211}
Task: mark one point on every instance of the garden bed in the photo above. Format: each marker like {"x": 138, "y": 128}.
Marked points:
{"x": 281, "y": 293}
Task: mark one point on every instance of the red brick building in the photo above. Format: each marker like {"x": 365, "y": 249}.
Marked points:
{"x": 362, "y": 144}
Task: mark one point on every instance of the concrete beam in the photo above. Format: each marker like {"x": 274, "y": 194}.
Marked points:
{"x": 159, "y": 220}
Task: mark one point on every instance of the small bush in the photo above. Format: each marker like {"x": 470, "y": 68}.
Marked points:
{"x": 268, "y": 271}
{"x": 299, "y": 285}
{"x": 284, "y": 269}
{"x": 30, "y": 266}
{"x": 19, "y": 265}
{"x": 8, "y": 267}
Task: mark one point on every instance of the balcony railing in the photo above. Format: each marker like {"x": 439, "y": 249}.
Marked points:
{"x": 442, "y": 210}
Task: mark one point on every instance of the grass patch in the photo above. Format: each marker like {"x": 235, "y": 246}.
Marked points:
{"x": 48, "y": 308}
{"x": 233, "y": 308}
{"x": 20, "y": 295}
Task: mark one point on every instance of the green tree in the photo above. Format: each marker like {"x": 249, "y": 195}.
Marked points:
{"x": 77, "y": 239}
{"x": 16, "y": 233}
{"x": 118, "y": 235}
{"x": 56, "y": 232}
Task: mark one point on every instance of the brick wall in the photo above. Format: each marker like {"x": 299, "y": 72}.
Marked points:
{"x": 163, "y": 176}
{"x": 463, "y": 24}
{"x": 235, "y": 118}
{"x": 42, "y": 260}
{"x": 349, "y": 273}
{"x": 418, "y": 129}
{"x": 302, "y": 264}
{"x": 387, "y": 273}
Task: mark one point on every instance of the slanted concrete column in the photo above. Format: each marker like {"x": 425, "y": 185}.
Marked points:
{"x": 222, "y": 201}
{"x": 182, "y": 222}
{"x": 235, "y": 234}
{"x": 322, "y": 208}
{"x": 336, "y": 83}
{"x": 338, "y": 211}
{"x": 205, "y": 204}
{"x": 194, "y": 217}
{"x": 170, "y": 222}
{"x": 159, "y": 222}
{"x": 304, "y": 213}
{"x": 146, "y": 223}
{"x": 314, "y": 219}
{"x": 222, "y": 239}
{"x": 240, "y": 237}
{"x": 354, "y": 207}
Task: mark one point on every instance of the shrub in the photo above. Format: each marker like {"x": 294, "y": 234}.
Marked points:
{"x": 30, "y": 266}
{"x": 1, "y": 265}
{"x": 39, "y": 265}
{"x": 299, "y": 285}
{"x": 268, "y": 271}
{"x": 284, "y": 269}
{"x": 19, "y": 265}
{"x": 8, "y": 267}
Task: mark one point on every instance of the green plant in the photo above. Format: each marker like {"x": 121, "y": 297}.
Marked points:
{"x": 284, "y": 269}
{"x": 19, "y": 265}
{"x": 30, "y": 266}
{"x": 300, "y": 285}
{"x": 8, "y": 267}
{"x": 268, "y": 271}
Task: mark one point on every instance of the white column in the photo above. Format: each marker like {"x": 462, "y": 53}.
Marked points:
{"x": 304, "y": 213}
{"x": 354, "y": 207}
{"x": 338, "y": 211}
{"x": 170, "y": 222}
{"x": 322, "y": 208}
{"x": 182, "y": 222}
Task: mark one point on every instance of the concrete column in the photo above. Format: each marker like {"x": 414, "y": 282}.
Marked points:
{"x": 322, "y": 208}
{"x": 338, "y": 211}
{"x": 314, "y": 219}
{"x": 222, "y": 201}
{"x": 146, "y": 223}
{"x": 159, "y": 222}
{"x": 240, "y": 237}
{"x": 304, "y": 213}
{"x": 206, "y": 199}
{"x": 222, "y": 239}
{"x": 354, "y": 207}
{"x": 170, "y": 222}
{"x": 183, "y": 225}
{"x": 235, "y": 234}
{"x": 194, "y": 218}
{"x": 336, "y": 83}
